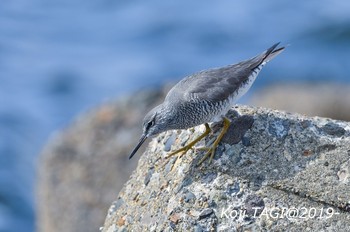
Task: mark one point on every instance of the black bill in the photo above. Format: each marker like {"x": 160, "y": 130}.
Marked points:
{"x": 143, "y": 138}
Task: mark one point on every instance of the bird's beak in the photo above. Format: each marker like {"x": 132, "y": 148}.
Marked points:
{"x": 143, "y": 138}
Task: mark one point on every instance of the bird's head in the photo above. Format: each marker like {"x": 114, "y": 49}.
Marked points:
{"x": 153, "y": 123}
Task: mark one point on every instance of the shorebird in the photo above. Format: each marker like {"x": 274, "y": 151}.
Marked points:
{"x": 202, "y": 98}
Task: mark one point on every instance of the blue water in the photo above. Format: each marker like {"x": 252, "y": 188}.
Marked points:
{"x": 59, "y": 58}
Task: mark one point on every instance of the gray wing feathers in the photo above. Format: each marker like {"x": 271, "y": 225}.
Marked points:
{"x": 218, "y": 84}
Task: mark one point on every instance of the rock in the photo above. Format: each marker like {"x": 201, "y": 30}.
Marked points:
{"x": 205, "y": 213}
{"x": 333, "y": 129}
{"x": 237, "y": 129}
{"x": 272, "y": 186}
{"x": 83, "y": 167}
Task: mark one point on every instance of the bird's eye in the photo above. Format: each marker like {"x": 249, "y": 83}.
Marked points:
{"x": 150, "y": 123}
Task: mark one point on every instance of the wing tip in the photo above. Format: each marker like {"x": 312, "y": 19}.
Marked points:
{"x": 272, "y": 52}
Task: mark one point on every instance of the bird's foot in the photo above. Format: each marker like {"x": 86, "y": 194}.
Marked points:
{"x": 191, "y": 144}
{"x": 211, "y": 150}
{"x": 183, "y": 150}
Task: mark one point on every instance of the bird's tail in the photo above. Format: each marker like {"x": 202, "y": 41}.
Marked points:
{"x": 271, "y": 53}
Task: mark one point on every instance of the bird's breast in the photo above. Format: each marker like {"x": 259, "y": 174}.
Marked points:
{"x": 195, "y": 113}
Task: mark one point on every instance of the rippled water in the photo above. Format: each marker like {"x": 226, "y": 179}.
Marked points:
{"x": 59, "y": 58}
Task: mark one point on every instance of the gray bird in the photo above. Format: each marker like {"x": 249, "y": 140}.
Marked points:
{"x": 202, "y": 98}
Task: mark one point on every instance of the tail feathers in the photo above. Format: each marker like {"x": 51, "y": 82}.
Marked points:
{"x": 270, "y": 53}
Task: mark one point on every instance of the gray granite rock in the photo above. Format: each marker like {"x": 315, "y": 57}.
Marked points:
{"x": 83, "y": 167}
{"x": 276, "y": 172}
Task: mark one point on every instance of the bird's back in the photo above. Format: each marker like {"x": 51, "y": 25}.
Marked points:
{"x": 206, "y": 95}
{"x": 218, "y": 84}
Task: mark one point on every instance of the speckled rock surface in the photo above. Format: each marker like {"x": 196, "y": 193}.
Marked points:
{"x": 275, "y": 171}
{"x": 83, "y": 167}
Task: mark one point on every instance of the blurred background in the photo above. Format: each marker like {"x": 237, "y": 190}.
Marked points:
{"x": 61, "y": 58}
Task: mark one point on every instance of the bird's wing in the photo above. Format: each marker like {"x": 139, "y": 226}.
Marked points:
{"x": 218, "y": 84}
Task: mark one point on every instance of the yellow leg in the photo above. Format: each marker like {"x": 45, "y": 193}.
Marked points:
{"x": 211, "y": 151}
{"x": 191, "y": 144}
